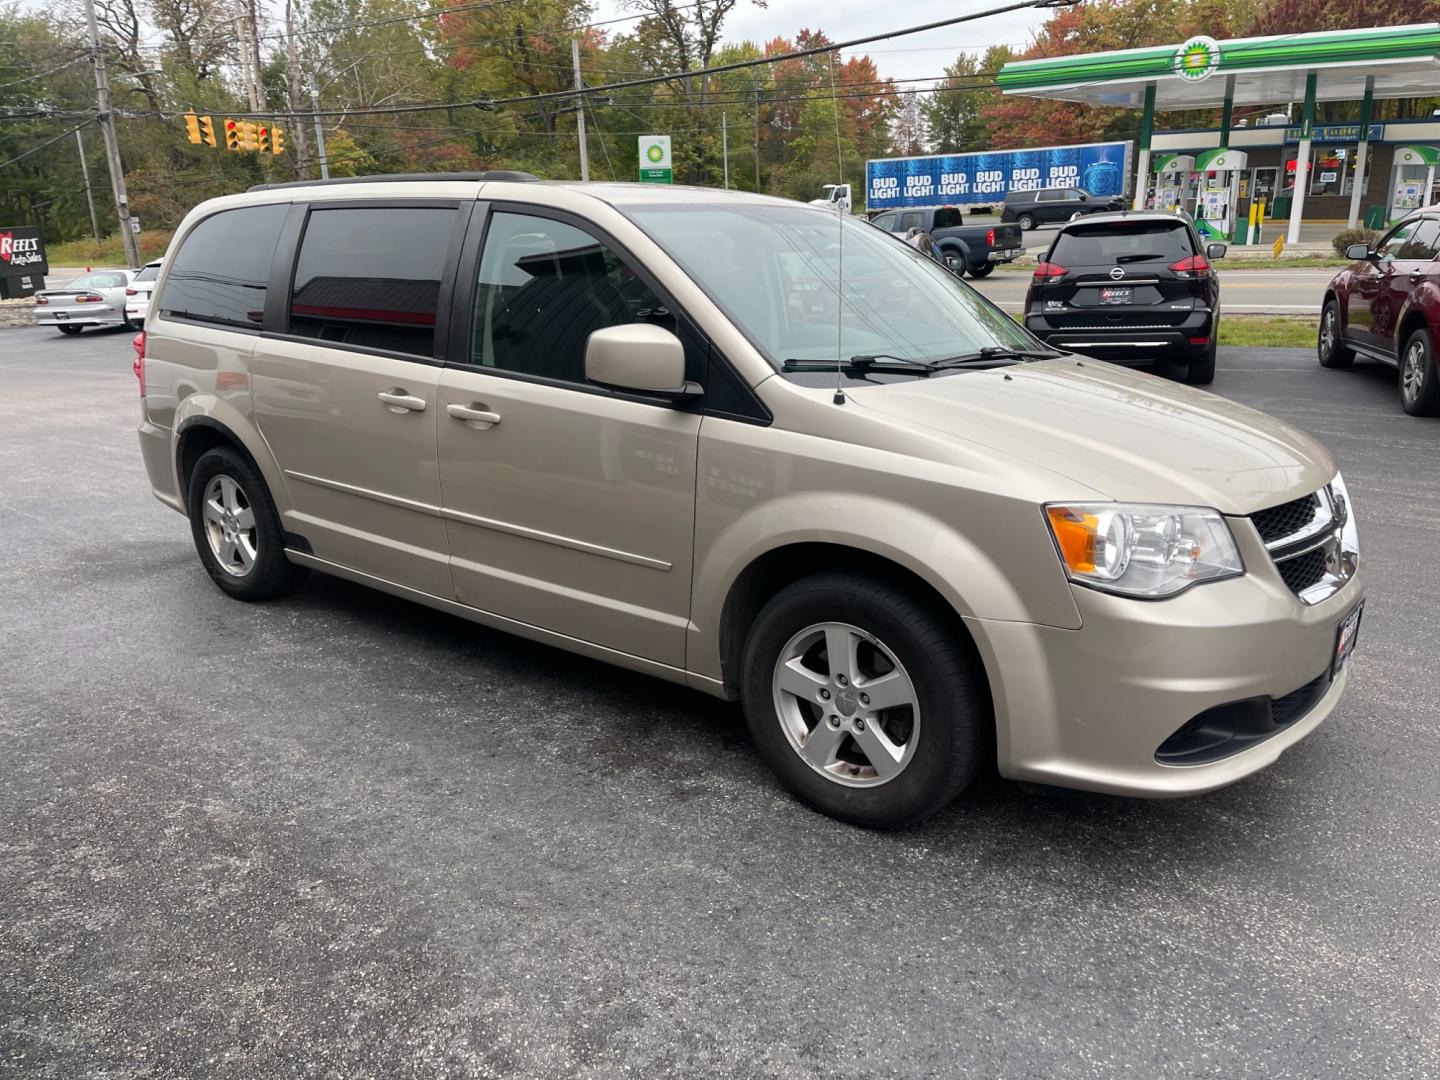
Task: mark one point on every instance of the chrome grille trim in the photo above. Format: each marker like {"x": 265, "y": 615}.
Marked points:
{"x": 1326, "y": 534}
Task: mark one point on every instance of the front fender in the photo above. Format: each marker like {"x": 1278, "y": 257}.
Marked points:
{"x": 1023, "y": 583}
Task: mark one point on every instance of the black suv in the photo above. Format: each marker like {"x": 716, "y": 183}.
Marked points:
{"x": 1046, "y": 206}
{"x": 1132, "y": 288}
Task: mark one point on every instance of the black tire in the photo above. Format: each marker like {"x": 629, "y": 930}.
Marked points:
{"x": 1201, "y": 370}
{"x": 956, "y": 721}
{"x": 1331, "y": 349}
{"x": 979, "y": 270}
{"x": 1419, "y": 390}
{"x": 270, "y": 573}
{"x": 1026, "y": 221}
{"x": 69, "y": 329}
{"x": 130, "y": 325}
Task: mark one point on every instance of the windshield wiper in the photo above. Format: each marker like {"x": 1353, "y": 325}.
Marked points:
{"x": 992, "y": 354}
{"x": 864, "y": 363}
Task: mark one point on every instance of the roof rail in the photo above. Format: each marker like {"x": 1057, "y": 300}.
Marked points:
{"x": 383, "y": 178}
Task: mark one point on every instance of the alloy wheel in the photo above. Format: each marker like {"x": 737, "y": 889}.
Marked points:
{"x": 1327, "y": 332}
{"x": 230, "y": 526}
{"x": 1412, "y": 372}
{"x": 846, "y": 704}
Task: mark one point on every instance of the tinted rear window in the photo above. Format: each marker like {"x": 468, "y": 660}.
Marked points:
{"x": 371, "y": 276}
{"x": 947, "y": 217}
{"x": 222, "y": 268}
{"x": 148, "y": 273}
{"x": 1112, "y": 242}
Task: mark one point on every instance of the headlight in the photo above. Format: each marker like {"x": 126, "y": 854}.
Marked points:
{"x": 1148, "y": 551}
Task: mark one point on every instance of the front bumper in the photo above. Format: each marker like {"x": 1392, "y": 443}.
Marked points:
{"x": 1127, "y": 344}
{"x": 1089, "y": 708}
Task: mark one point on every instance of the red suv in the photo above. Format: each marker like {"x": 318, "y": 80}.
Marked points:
{"x": 1387, "y": 307}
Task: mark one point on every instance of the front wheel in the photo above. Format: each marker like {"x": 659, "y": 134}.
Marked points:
{"x": 1026, "y": 221}
{"x": 1419, "y": 381}
{"x": 869, "y": 704}
{"x": 237, "y": 529}
{"x": 981, "y": 269}
{"x": 1330, "y": 342}
{"x": 69, "y": 329}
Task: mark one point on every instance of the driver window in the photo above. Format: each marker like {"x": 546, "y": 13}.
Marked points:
{"x": 544, "y": 287}
{"x": 1423, "y": 243}
{"x": 1072, "y": 195}
{"x": 1393, "y": 244}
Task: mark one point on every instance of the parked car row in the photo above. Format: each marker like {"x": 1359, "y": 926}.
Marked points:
{"x": 111, "y": 297}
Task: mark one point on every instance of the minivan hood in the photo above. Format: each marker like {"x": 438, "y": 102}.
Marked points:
{"x": 1128, "y": 434}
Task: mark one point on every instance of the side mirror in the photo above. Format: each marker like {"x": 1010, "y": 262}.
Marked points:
{"x": 1215, "y": 251}
{"x": 955, "y": 263}
{"x": 1357, "y": 252}
{"x": 640, "y": 357}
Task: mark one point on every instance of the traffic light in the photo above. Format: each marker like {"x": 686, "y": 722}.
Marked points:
{"x": 262, "y": 139}
{"x": 192, "y": 127}
{"x": 232, "y": 134}
{"x": 207, "y": 131}
{"x": 277, "y": 141}
{"x": 249, "y": 137}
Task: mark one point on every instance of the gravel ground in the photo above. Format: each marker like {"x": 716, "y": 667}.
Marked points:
{"x": 344, "y": 836}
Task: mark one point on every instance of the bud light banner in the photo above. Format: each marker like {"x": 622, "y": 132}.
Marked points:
{"x": 986, "y": 177}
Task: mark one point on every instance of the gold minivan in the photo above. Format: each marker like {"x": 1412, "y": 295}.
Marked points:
{"x": 768, "y": 452}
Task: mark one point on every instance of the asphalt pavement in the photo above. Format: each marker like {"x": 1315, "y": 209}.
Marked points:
{"x": 345, "y": 836}
{"x": 1279, "y": 291}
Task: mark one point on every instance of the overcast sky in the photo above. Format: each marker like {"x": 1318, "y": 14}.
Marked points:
{"x": 915, "y": 56}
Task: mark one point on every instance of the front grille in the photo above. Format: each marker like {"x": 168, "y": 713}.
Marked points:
{"x": 1303, "y": 571}
{"x": 1287, "y": 519}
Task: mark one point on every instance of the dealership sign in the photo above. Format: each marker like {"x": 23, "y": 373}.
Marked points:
{"x": 959, "y": 179}
{"x": 22, "y": 251}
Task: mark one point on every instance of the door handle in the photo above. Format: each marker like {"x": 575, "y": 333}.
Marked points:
{"x": 474, "y": 415}
{"x": 397, "y": 401}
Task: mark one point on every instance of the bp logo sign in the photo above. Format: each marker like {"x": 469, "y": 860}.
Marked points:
{"x": 655, "y": 159}
{"x": 1197, "y": 59}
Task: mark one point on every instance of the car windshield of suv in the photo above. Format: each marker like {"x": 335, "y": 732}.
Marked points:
{"x": 774, "y": 271}
{"x": 1111, "y": 243}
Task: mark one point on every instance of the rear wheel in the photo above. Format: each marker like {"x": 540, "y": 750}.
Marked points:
{"x": 980, "y": 269}
{"x": 1419, "y": 381}
{"x": 1330, "y": 343}
{"x": 1026, "y": 221}
{"x": 70, "y": 329}
{"x": 1201, "y": 371}
{"x": 237, "y": 529}
{"x": 868, "y": 704}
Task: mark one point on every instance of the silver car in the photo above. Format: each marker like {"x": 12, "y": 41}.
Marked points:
{"x": 93, "y": 299}
{"x": 137, "y": 296}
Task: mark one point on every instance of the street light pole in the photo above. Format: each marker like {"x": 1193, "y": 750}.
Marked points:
{"x": 319, "y": 131}
{"x": 106, "y": 117}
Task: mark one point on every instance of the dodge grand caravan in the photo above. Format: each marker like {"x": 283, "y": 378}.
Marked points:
{"x": 739, "y": 444}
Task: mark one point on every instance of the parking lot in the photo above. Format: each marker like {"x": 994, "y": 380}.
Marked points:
{"x": 343, "y": 835}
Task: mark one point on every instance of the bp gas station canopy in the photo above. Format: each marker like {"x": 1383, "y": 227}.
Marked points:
{"x": 1340, "y": 65}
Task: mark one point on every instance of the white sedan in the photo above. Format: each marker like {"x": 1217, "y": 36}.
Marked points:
{"x": 93, "y": 299}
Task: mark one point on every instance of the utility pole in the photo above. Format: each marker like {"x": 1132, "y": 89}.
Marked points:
{"x": 242, "y": 32}
{"x": 580, "y": 110}
{"x": 319, "y": 131}
{"x": 725, "y": 149}
{"x": 757, "y": 138}
{"x": 292, "y": 59}
{"x": 89, "y": 195}
{"x": 106, "y": 115}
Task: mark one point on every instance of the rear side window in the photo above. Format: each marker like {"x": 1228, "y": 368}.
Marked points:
{"x": 371, "y": 276}
{"x": 1113, "y": 243}
{"x": 148, "y": 273}
{"x": 222, "y": 268}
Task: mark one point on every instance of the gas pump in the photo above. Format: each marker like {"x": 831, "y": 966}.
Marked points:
{"x": 1411, "y": 179}
{"x": 1172, "y": 181}
{"x": 1219, "y": 189}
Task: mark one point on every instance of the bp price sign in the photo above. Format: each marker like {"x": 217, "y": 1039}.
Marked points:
{"x": 655, "y": 159}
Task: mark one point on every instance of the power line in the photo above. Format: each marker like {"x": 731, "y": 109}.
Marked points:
{"x": 47, "y": 142}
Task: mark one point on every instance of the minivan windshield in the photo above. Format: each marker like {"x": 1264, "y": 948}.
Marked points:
{"x": 1117, "y": 241}
{"x": 775, "y": 271}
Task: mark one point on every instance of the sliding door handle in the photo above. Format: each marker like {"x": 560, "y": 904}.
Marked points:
{"x": 399, "y": 401}
{"x": 474, "y": 415}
